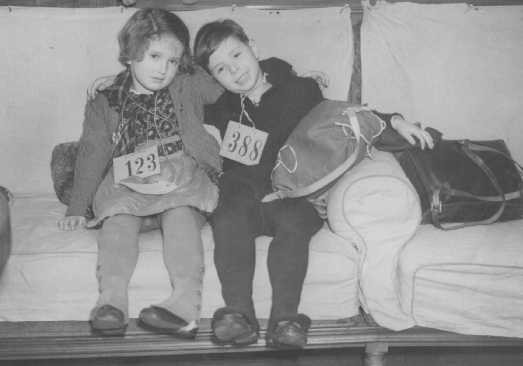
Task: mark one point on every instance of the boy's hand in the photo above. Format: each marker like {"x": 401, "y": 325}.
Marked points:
{"x": 98, "y": 85}
{"x": 411, "y": 132}
{"x": 70, "y": 223}
{"x": 321, "y": 78}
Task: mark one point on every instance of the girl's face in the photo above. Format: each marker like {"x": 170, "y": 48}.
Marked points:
{"x": 158, "y": 66}
{"x": 236, "y": 67}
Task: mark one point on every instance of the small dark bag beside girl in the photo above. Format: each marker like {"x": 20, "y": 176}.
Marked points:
{"x": 463, "y": 183}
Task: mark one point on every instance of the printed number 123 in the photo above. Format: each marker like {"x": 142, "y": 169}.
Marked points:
{"x": 142, "y": 164}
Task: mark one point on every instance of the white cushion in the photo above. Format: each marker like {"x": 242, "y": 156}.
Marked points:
{"x": 375, "y": 206}
{"x": 467, "y": 280}
{"x": 50, "y": 274}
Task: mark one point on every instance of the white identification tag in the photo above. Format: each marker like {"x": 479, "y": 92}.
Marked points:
{"x": 243, "y": 144}
{"x": 143, "y": 163}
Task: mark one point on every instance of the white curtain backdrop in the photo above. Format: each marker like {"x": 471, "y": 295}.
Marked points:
{"x": 454, "y": 67}
{"x": 51, "y": 56}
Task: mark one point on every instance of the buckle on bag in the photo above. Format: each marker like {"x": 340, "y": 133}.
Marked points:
{"x": 435, "y": 203}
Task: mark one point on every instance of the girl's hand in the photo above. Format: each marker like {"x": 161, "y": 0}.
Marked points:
{"x": 411, "y": 132}
{"x": 98, "y": 85}
{"x": 70, "y": 223}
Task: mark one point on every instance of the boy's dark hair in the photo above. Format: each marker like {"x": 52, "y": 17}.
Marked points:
{"x": 211, "y": 35}
{"x": 145, "y": 25}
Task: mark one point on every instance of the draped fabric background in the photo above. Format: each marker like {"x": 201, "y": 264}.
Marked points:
{"x": 456, "y": 68}
{"x": 452, "y": 66}
{"x": 52, "y": 55}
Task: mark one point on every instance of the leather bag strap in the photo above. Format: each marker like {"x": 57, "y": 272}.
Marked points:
{"x": 436, "y": 206}
{"x": 481, "y": 147}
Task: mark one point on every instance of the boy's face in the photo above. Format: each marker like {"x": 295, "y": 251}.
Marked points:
{"x": 158, "y": 66}
{"x": 235, "y": 66}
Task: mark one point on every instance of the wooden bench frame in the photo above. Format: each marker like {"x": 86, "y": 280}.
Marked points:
{"x": 73, "y": 340}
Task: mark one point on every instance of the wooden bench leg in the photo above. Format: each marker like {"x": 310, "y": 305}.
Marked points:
{"x": 5, "y": 228}
{"x": 375, "y": 354}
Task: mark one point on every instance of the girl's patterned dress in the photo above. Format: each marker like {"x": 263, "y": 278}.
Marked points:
{"x": 147, "y": 119}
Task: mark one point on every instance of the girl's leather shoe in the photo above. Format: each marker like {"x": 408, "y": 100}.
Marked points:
{"x": 108, "y": 320}
{"x": 161, "y": 320}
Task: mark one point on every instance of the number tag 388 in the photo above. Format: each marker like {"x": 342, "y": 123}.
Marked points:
{"x": 143, "y": 163}
{"x": 243, "y": 144}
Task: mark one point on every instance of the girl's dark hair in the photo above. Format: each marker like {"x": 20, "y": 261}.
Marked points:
{"x": 145, "y": 25}
{"x": 211, "y": 35}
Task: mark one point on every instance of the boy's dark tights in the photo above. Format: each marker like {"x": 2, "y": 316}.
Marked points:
{"x": 239, "y": 218}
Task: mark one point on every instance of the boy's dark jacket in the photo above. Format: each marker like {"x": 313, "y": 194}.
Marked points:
{"x": 280, "y": 109}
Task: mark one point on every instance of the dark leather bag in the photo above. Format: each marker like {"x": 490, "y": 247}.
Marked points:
{"x": 463, "y": 183}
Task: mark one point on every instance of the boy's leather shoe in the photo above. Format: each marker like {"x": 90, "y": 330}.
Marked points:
{"x": 161, "y": 320}
{"x": 289, "y": 333}
{"x": 108, "y": 320}
{"x": 231, "y": 327}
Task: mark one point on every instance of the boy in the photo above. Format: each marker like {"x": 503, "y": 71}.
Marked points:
{"x": 262, "y": 104}
{"x": 267, "y": 96}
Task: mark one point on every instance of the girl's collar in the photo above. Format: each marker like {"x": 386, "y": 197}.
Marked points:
{"x": 133, "y": 91}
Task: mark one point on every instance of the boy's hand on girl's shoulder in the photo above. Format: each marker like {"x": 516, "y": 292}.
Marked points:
{"x": 412, "y": 132}
{"x": 98, "y": 85}
{"x": 321, "y": 78}
{"x": 71, "y": 223}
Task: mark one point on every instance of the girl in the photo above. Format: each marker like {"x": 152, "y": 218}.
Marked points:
{"x": 145, "y": 132}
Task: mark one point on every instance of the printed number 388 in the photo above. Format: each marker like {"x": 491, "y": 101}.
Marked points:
{"x": 245, "y": 146}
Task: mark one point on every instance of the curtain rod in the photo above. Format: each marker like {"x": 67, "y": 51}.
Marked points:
{"x": 178, "y": 5}
{"x": 298, "y": 4}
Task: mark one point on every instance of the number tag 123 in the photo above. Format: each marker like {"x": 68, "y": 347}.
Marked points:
{"x": 143, "y": 163}
{"x": 243, "y": 144}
